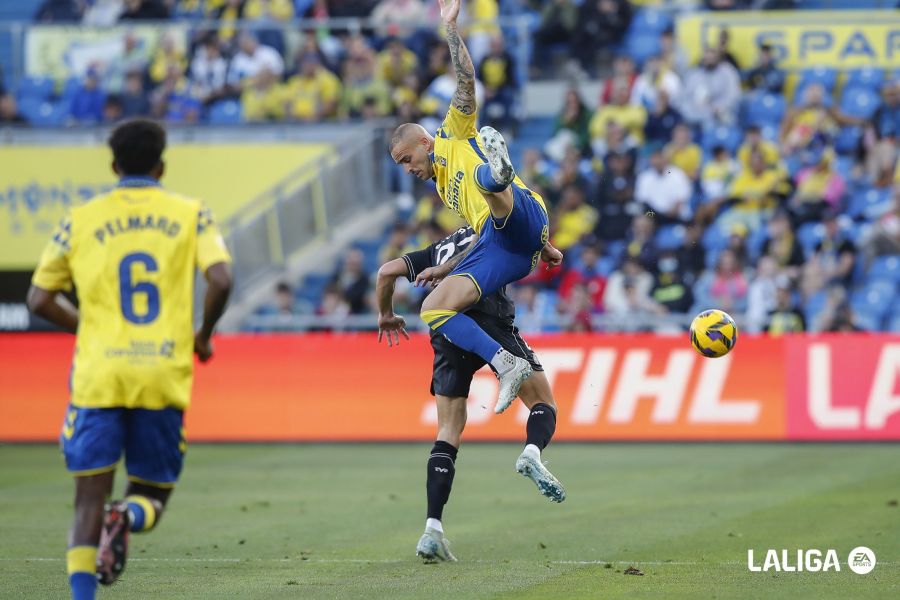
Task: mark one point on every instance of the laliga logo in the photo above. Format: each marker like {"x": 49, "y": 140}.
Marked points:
{"x": 861, "y": 560}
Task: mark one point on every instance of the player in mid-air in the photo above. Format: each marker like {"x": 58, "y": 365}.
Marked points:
{"x": 132, "y": 255}
{"x": 451, "y": 377}
{"x": 475, "y": 177}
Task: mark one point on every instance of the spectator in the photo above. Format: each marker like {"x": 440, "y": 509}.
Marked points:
{"x": 144, "y": 10}
{"x": 227, "y": 13}
{"x": 87, "y": 102}
{"x": 812, "y": 120}
{"x": 752, "y": 195}
{"x": 754, "y": 142}
{"x": 726, "y": 287}
{"x": 692, "y": 253}
{"x": 883, "y": 133}
{"x": 765, "y": 76}
{"x": 390, "y": 15}
{"x": 166, "y": 57}
{"x": 670, "y": 292}
{"x": 209, "y": 71}
{"x": 558, "y": 21}
{"x": 837, "y": 317}
{"x": 263, "y": 99}
{"x": 737, "y": 243}
{"x": 396, "y": 61}
{"x": 884, "y": 237}
{"x": 715, "y": 182}
{"x": 640, "y": 243}
{"x": 623, "y": 77}
{"x": 268, "y": 10}
{"x": 819, "y": 187}
{"x": 60, "y": 11}
{"x": 437, "y": 96}
{"x": 437, "y": 64}
{"x": 661, "y": 121}
{"x": 617, "y": 299}
{"x": 712, "y": 92}
{"x": 497, "y": 72}
{"x": 664, "y": 189}
{"x": 615, "y": 196}
{"x": 533, "y": 311}
{"x": 585, "y": 272}
{"x": 314, "y": 93}
{"x": 571, "y": 127}
{"x": 673, "y": 55}
{"x": 252, "y": 59}
{"x": 362, "y": 86}
{"x": 133, "y": 59}
{"x": 833, "y": 260}
{"x": 568, "y": 174}
{"x": 573, "y": 218}
{"x": 9, "y": 111}
{"x": 617, "y": 141}
{"x": 577, "y": 310}
{"x": 352, "y": 282}
{"x": 397, "y": 244}
{"x": 481, "y": 27}
{"x": 724, "y": 41}
{"x": 284, "y": 299}
{"x": 333, "y": 307}
{"x": 173, "y": 99}
{"x": 786, "y": 317}
{"x": 684, "y": 153}
{"x": 135, "y": 102}
{"x": 655, "y": 78}
{"x": 761, "y": 295}
{"x": 534, "y": 171}
{"x": 601, "y": 25}
{"x": 631, "y": 117}
{"x": 781, "y": 243}
{"x": 113, "y": 110}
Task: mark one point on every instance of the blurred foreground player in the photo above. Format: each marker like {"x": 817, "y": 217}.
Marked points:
{"x": 452, "y": 375}
{"x": 132, "y": 256}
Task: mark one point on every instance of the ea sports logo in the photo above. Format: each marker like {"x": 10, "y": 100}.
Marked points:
{"x": 861, "y": 560}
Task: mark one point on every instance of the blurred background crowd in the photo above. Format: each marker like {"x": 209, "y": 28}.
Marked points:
{"x": 673, "y": 188}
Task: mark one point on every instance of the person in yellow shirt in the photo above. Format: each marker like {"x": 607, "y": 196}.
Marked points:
{"x": 629, "y": 116}
{"x": 684, "y": 153}
{"x": 753, "y": 194}
{"x": 573, "y": 219}
{"x": 396, "y": 62}
{"x": 754, "y": 142}
{"x": 314, "y": 92}
{"x": 131, "y": 254}
{"x": 263, "y": 100}
{"x": 278, "y": 10}
{"x": 166, "y": 57}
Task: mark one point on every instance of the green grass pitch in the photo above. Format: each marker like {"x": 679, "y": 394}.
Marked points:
{"x": 341, "y": 521}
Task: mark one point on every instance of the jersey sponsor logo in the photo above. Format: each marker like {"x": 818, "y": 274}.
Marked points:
{"x": 453, "y": 199}
{"x": 143, "y": 349}
{"x": 137, "y": 223}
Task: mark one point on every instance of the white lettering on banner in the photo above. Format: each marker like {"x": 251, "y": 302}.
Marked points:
{"x": 593, "y": 386}
{"x": 554, "y": 363}
{"x": 635, "y": 383}
{"x": 818, "y": 377}
{"x": 883, "y": 402}
{"x": 807, "y": 560}
{"x": 709, "y": 406}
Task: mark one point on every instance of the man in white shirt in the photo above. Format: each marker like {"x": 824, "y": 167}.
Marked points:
{"x": 665, "y": 189}
{"x": 711, "y": 93}
{"x": 252, "y": 60}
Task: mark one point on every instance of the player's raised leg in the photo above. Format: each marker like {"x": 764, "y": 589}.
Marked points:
{"x": 91, "y": 492}
{"x": 541, "y": 425}
{"x": 441, "y": 468}
{"x": 441, "y": 312}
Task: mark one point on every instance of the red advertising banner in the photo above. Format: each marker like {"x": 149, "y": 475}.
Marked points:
{"x": 608, "y": 387}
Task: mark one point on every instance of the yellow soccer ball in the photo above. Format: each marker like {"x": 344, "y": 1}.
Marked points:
{"x": 713, "y": 333}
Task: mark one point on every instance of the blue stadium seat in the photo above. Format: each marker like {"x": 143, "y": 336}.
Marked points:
{"x": 865, "y": 77}
{"x": 859, "y": 102}
{"x": 764, "y": 109}
{"x": 225, "y": 112}
{"x": 670, "y": 237}
{"x": 870, "y": 204}
{"x": 809, "y": 235}
{"x": 814, "y": 306}
{"x": 873, "y": 302}
{"x": 730, "y": 137}
{"x": 35, "y": 88}
{"x": 847, "y": 140}
{"x": 641, "y": 46}
{"x": 43, "y": 113}
{"x": 885, "y": 268}
{"x": 70, "y": 88}
{"x": 714, "y": 238}
{"x": 650, "y": 21}
{"x": 826, "y": 76}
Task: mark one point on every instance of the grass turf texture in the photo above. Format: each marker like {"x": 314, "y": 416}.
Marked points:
{"x": 342, "y": 521}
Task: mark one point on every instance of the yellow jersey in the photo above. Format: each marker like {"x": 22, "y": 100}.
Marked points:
{"x": 457, "y": 151}
{"x": 132, "y": 255}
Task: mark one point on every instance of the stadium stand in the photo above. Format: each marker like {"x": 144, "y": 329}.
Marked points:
{"x": 786, "y": 186}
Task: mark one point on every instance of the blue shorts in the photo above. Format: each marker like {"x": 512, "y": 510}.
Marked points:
{"x": 93, "y": 440}
{"x": 507, "y": 249}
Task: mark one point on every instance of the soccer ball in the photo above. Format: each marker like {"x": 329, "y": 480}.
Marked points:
{"x": 713, "y": 333}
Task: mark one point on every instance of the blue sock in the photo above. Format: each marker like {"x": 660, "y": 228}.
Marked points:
{"x": 485, "y": 179}
{"x": 84, "y": 586}
{"x": 465, "y": 333}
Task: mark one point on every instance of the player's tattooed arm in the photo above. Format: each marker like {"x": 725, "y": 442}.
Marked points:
{"x": 434, "y": 275}
{"x": 464, "y": 99}
{"x": 393, "y": 325}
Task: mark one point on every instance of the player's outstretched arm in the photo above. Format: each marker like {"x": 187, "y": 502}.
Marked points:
{"x": 388, "y": 322}
{"x": 53, "y": 306}
{"x": 218, "y": 288}
{"x": 464, "y": 99}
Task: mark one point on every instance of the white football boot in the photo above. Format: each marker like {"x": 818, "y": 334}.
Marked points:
{"x": 434, "y": 547}
{"x": 497, "y": 155}
{"x": 511, "y": 378}
{"x": 530, "y": 465}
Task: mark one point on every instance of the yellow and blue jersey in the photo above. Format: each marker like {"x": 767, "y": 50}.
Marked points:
{"x": 457, "y": 151}
{"x": 132, "y": 256}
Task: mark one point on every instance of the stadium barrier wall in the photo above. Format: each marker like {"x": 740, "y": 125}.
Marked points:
{"x": 609, "y": 387}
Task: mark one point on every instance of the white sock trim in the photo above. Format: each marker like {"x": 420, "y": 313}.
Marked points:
{"x": 434, "y": 524}
{"x": 532, "y": 448}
